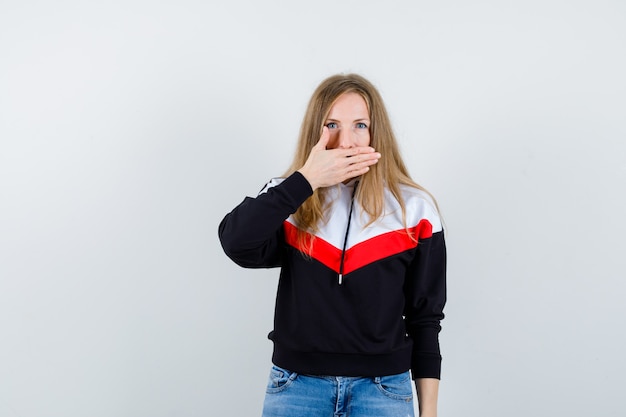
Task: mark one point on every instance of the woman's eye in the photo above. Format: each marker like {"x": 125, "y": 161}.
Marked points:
{"x": 361, "y": 126}
{"x": 332, "y": 125}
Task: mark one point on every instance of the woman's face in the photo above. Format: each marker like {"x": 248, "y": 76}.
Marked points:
{"x": 348, "y": 122}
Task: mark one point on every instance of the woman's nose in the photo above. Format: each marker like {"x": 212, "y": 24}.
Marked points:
{"x": 345, "y": 139}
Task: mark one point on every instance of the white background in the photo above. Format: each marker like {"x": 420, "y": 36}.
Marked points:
{"x": 129, "y": 128}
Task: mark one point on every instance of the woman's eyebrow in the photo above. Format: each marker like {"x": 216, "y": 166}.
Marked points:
{"x": 362, "y": 119}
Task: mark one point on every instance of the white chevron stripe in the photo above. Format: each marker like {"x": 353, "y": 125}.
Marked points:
{"x": 418, "y": 206}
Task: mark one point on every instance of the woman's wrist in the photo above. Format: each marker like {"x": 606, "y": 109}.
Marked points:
{"x": 308, "y": 177}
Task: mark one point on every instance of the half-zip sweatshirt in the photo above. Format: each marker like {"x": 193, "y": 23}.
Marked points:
{"x": 367, "y": 300}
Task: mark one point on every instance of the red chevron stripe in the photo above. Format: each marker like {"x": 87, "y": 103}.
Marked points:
{"x": 364, "y": 253}
{"x": 323, "y": 251}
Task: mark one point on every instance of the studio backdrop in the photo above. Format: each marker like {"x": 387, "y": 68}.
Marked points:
{"x": 128, "y": 129}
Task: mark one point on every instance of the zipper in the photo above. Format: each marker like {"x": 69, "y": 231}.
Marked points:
{"x": 345, "y": 239}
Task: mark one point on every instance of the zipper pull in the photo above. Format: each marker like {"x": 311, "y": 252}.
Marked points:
{"x": 340, "y": 278}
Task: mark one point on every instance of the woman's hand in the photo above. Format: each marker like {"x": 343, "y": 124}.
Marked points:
{"x": 327, "y": 167}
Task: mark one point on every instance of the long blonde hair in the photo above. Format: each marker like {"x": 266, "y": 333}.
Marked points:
{"x": 389, "y": 172}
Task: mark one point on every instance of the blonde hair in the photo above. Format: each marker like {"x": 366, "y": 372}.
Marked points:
{"x": 389, "y": 172}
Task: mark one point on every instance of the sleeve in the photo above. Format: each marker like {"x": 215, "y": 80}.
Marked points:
{"x": 252, "y": 234}
{"x": 425, "y": 292}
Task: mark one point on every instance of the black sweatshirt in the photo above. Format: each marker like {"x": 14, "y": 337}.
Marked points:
{"x": 367, "y": 301}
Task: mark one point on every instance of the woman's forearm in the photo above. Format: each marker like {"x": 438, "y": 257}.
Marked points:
{"x": 427, "y": 394}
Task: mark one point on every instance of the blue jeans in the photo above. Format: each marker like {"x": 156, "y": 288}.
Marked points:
{"x": 290, "y": 394}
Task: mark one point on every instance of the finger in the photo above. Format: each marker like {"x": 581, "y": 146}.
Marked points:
{"x": 365, "y": 157}
{"x": 356, "y": 172}
{"x": 359, "y": 150}
{"x": 324, "y": 138}
{"x": 362, "y": 166}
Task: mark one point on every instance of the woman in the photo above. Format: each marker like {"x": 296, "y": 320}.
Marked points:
{"x": 362, "y": 256}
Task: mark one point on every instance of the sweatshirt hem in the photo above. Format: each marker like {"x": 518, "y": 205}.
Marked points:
{"x": 342, "y": 364}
